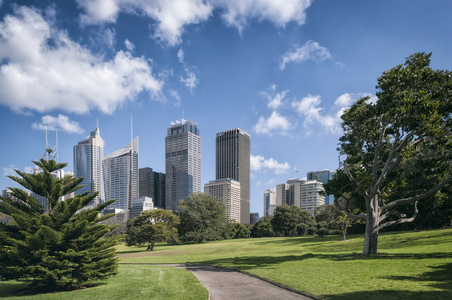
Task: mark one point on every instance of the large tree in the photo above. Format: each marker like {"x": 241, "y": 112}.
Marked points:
{"x": 202, "y": 218}
{"x": 59, "y": 248}
{"x": 398, "y": 150}
{"x": 152, "y": 226}
{"x": 287, "y": 217}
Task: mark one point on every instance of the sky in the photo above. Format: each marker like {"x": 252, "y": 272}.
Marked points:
{"x": 282, "y": 70}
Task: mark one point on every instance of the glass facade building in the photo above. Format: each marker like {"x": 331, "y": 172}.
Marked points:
{"x": 121, "y": 176}
{"x": 323, "y": 177}
{"x": 182, "y": 162}
{"x": 88, "y": 155}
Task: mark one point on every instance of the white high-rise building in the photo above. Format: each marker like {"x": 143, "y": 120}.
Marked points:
{"x": 227, "y": 191}
{"x": 183, "y": 162}
{"x": 121, "y": 176}
{"x": 88, "y": 155}
{"x": 310, "y": 198}
{"x": 269, "y": 202}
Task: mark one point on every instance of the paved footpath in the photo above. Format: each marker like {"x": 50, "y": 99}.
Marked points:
{"x": 227, "y": 284}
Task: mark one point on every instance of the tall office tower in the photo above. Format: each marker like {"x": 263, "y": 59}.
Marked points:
{"x": 152, "y": 184}
{"x": 269, "y": 202}
{"x": 121, "y": 176}
{"x": 233, "y": 161}
{"x": 228, "y": 192}
{"x": 309, "y": 196}
{"x": 88, "y": 155}
{"x": 183, "y": 162}
{"x": 159, "y": 190}
{"x": 323, "y": 177}
{"x": 146, "y": 182}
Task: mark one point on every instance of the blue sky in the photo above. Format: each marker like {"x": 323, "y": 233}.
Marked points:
{"x": 281, "y": 70}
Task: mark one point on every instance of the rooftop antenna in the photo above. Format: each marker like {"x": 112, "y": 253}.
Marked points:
{"x": 131, "y": 164}
{"x": 51, "y": 149}
{"x": 183, "y": 114}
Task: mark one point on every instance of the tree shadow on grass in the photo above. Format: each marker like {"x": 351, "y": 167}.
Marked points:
{"x": 440, "y": 277}
{"x": 250, "y": 262}
{"x": 19, "y": 289}
{"x": 390, "y": 295}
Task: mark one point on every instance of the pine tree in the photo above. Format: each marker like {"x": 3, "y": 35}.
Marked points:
{"x": 56, "y": 249}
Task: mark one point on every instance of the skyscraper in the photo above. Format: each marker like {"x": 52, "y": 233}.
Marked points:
{"x": 152, "y": 184}
{"x": 121, "y": 176}
{"x": 183, "y": 162}
{"x": 233, "y": 161}
{"x": 88, "y": 155}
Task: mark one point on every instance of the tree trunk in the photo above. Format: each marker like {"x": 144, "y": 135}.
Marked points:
{"x": 371, "y": 236}
{"x": 150, "y": 247}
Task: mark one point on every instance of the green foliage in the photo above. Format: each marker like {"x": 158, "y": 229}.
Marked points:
{"x": 263, "y": 228}
{"x": 287, "y": 217}
{"x": 237, "y": 231}
{"x": 302, "y": 229}
{"x": 398, "y": 150}
{"x": 61, "y": 248}
{"x": 202, "y": 218}
{"x": 152, "y": 226}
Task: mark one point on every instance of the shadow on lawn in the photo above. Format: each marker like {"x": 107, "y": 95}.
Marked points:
{"x": 439, "y": 277}
{"x": 250, "y": 262}
{"x": 390, "y": 295}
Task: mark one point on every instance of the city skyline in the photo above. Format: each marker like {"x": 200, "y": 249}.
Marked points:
{"x": 283, "y": 71}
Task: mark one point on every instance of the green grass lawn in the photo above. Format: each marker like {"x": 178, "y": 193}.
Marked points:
{"x": 411, "y": 265}
{"x": 132, "y": 282}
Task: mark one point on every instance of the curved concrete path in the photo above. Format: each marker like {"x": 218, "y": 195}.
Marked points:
{"x": 227, "y": 284}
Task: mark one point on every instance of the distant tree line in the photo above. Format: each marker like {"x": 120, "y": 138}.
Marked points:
{"x": 198, "y": 219}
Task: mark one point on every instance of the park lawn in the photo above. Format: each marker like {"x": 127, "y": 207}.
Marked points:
{"x": 132, "y": 282}
{"x": 410, "y": 265}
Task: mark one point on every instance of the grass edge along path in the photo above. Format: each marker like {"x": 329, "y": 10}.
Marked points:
{"x": 132, "y": 282}
{"x": 411, "y": 265}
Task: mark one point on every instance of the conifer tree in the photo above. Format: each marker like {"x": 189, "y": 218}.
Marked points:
{"x": 56, "y": 249}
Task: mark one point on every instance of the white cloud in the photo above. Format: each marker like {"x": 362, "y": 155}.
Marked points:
{"x": 309, "y": 108}
{"x": 61, "y": 123}
{"x": 129, "y": 45}
{"x": 9, "y": 171}
{"x": 172, "y": 16}
{"x": 275, "y": 100}
{"x": 309, "y": 51}
{"x": 181, "y": 55}
{"x": 65, "y": 76}
{"x": 189, "y": 80}
{"x": 259, "y": 163}
{"x": 237, "y": 12}
{"x": 344, "y": 100}
{"x": 274, "y": 123}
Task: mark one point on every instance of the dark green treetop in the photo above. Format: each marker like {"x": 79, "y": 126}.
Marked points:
{"x": 59, "y": 248}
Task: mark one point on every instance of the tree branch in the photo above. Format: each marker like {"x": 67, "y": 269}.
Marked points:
{"x": 416, "y": 198}
{"x": 353, "y": 216}
{"x": 400, "y": 221}
{"x": 378, "y": 148}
